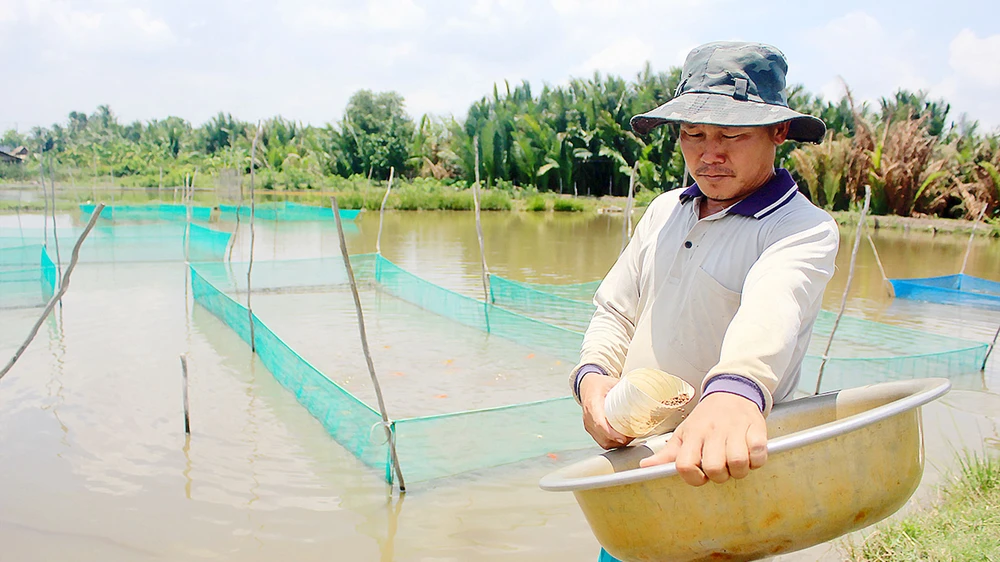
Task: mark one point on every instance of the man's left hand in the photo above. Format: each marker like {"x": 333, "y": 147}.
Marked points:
{"x": 725, "y": 436}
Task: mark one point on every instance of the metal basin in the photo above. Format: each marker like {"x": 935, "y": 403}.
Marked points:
{"x": 837, "y": 462}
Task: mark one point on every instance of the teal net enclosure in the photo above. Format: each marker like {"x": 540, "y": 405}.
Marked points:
{"x": 110, "y": 243}
{"x": 149, "y": 212}
{"x": 27, "y": 276}
{"x": 958, "y": 289}
{"x": 863, "y": 351}
{"x": 286, "y": 211}
{"x": 465, "y": 384}
{"x": 283, "y": 211}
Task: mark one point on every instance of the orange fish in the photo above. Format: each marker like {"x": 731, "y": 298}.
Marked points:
{"x": 398, "y": 374}
{"x": 553, "y": 456}
{"x": 441, "y": 396}
{"x": 530, "y": 356}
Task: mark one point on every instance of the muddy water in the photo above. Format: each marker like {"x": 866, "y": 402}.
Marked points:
{"x": 96, "y": 466}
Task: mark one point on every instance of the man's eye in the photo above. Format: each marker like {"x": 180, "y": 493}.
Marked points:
{"x": 731, "y": 136}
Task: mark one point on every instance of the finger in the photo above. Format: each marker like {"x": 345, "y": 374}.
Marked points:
{"x": 689, "y": 462}
{"x": 738, "y": 457}
{"x": 757, "y": 445}
{"x": 714, "y": 458}
{"x": 665, "y": 455}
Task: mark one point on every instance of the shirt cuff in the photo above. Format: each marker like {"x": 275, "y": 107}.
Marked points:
{"x": 735, "y": 384}
{"x": 581, "y": 372}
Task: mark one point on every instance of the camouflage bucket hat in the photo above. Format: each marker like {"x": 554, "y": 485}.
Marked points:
{"x": 733, "y": 85}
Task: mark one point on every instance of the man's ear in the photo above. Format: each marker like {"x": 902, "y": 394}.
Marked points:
{"x": 779, "y": 132}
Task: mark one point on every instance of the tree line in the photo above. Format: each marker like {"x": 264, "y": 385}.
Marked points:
{"x": 571, "y": 139}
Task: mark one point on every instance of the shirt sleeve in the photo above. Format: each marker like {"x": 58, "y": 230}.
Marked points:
{"x": 781, "y": 294}
{"x": 606, "y": 341}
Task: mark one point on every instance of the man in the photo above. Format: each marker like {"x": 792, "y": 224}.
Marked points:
{"x": 722, "y": 281}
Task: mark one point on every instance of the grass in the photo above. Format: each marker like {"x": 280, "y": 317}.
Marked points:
{"x": 568, "y": 205}
{"x": 964, "y": 523}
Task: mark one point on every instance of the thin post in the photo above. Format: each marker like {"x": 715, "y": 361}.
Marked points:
{"x": 187, "y": 408}
{"x": 968, "y": 247}
{"x": 381, "y": 212}
{"x": 253, "y": 208}
{"x": 159, "y": 190}
{"x": 479, "y": 225}
{"x": 63, "y": 286}
{"x": 990, "y": 350}
{"x": 627, "y": 226}
{"x": 45, "y": 196}
{"x": 55, "y": 229}
{"x": 95, "y": 175}
{"x": 847, "y": 288}
{"x": 386, "y": 424}
{"x": 239, "y": 211}
{"x": 878, "y": 262}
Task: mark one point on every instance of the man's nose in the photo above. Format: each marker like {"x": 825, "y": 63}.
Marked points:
{"x": 713, "y": 153}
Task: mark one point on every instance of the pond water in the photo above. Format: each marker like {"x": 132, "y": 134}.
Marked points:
{"x": 96, "y": 465}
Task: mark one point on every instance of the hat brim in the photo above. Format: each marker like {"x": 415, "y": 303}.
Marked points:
{"x": 724, "y": 111}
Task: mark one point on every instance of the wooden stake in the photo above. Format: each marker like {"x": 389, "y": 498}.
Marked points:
{"x": 479, "y": 226}
{"x": 386, "y": 424}
{"x": 990, "y": 350}
{"x": 847, "y": 288}
{"x": 381, "y": 212}
{"x": 253, "y": 153}
{"x": 55, "y": 230}
{"x": 187, "y": 408}
{"x": 885, "y": 279}
{"x": 968, "y": 247}
{"x": 63, "y": 286}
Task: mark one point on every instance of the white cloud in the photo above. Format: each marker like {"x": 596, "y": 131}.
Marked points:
{"x": 66, "y": 30}
{"x": 873, "y": 62}
{"x": 975, "y": 74}
{"x": 624, "y": 57}
{"x": 975, "y": 60}
{"x": 372, "y": 15}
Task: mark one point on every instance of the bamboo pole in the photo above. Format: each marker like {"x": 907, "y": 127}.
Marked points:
{"x": 968, "y": 247}
{"x": 187, "y": 407}
{"x": 847, "y": 287}
{"x": 386, "y": 424}
{"x": 990, "y": 350}
{"x": 45, "y": 196}
{"x": 55, "y": 230}
{"x": 253, "y": 209}
{"x": 885, "y": 278}
{"x": 479, "y": 226}
{"x": 381, "y": 212}
{"x": 239, "y": 210}
{"x": 627, "y": 226}
{"x": 63, "y": 286}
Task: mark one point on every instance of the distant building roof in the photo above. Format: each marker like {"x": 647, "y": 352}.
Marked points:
{"x": 17, "y": 155}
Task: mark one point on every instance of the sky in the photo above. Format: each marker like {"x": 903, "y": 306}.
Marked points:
{"x": 302, "y": 59}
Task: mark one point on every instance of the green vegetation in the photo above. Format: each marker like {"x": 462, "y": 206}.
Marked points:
{"x": 572, "y": 139}
{"x": 568, "y": 205}
{"x": 963, "y": 525}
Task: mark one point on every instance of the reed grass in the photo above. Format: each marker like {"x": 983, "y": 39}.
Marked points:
{"x": 963, "y": 524}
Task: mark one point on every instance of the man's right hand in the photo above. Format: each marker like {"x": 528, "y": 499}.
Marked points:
{"x": 593, "y": 389}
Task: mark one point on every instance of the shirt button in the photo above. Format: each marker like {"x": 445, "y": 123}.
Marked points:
{"x": 687, "y": 244}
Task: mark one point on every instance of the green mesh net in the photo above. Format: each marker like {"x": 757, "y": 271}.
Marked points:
{"x": 27, "y": 276}
{"x": 531, "y": 319}
{"x": 429, "y": 446}
{"x": 863, "y": 351}
{"x": 155, "y": 242}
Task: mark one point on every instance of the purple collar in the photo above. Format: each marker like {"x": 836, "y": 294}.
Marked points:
{"x": 767, "y": 199}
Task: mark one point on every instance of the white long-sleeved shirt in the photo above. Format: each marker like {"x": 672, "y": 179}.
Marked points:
{"x": 733, "y": 293}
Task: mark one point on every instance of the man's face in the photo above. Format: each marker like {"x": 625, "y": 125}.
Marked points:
{"x": 730, "y": 162}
